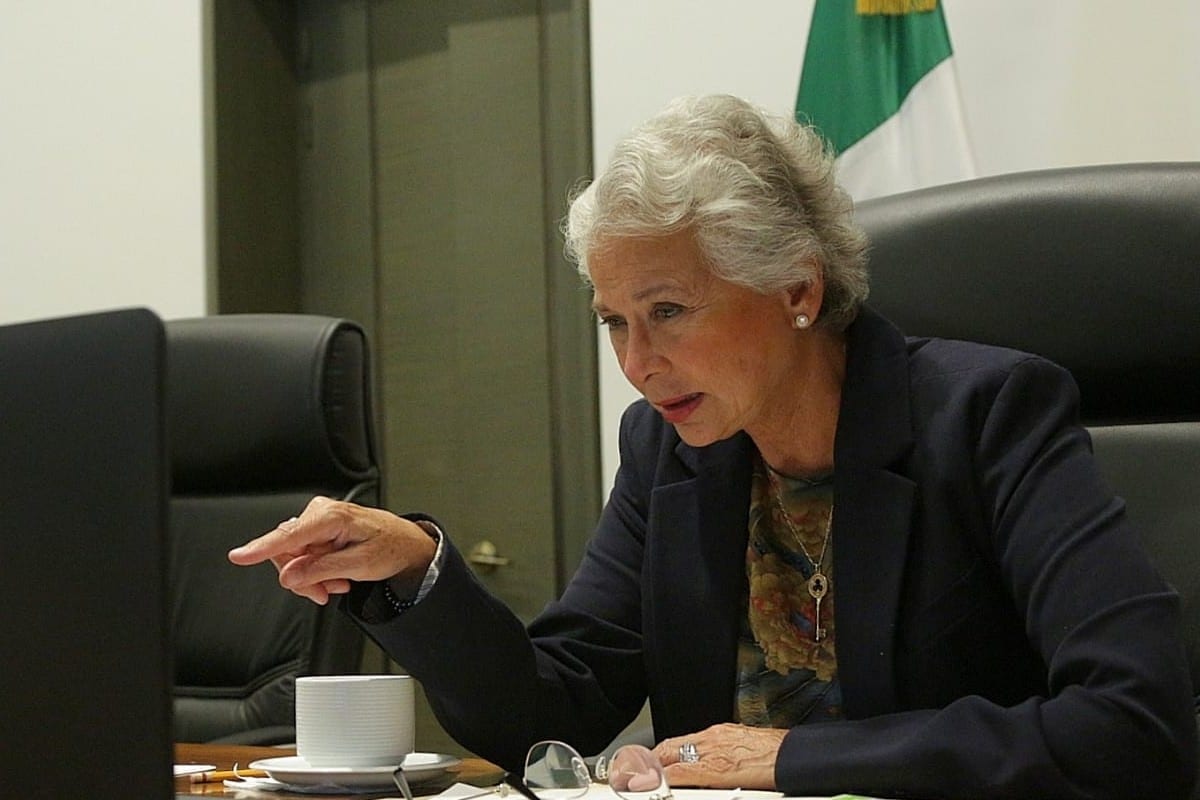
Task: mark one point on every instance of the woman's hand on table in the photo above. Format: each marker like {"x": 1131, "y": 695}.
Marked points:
{"x": 731, "y": 757}
{"x": 333, "y": 543}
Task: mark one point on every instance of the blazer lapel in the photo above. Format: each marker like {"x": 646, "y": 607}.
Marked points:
{"x": 697, "y": 544}
{"x": 872, "y": 513}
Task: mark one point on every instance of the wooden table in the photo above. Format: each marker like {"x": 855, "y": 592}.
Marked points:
{"x": 475, "y": 771}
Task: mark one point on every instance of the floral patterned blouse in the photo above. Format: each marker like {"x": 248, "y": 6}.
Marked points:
{"x": 785, "y": 675}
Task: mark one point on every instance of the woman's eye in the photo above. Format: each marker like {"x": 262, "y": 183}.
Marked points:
{"x": 612, "y": 322}
{"x": 667, "y": 311}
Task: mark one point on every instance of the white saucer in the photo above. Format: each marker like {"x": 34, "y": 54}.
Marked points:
{"x": 418, "y": 767}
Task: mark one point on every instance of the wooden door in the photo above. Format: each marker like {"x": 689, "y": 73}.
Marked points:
{"x": 458, "y": 127}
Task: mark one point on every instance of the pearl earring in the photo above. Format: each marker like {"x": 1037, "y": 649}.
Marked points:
{"x": 802, "y": 321}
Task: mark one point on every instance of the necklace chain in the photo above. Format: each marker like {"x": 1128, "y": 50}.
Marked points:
{"x": 816, "y": 564}
{"x": 818, "y": 582}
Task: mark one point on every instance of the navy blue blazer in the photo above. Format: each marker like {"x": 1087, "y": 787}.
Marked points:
{"x": 1000, "y": 630}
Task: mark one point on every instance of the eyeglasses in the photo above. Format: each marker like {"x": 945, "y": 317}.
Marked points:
{"x": 556, "y": 771}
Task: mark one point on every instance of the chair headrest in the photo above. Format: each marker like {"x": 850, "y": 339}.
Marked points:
{"x": 1097, "y": 268}
{"x": 262, "y": 402}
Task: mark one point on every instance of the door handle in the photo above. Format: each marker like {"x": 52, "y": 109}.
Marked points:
{"x": 485, "y": 557}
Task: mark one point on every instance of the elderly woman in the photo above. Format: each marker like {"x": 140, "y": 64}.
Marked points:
{"x": 834, "y": 559}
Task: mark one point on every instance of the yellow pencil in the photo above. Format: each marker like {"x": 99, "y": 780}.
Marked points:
{"x": 216, "y": 776}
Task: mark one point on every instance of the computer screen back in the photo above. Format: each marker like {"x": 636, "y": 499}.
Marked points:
{"x": 84, "y": 646}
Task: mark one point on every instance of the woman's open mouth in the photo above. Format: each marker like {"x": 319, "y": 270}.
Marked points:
{"x": 677, "y": 409}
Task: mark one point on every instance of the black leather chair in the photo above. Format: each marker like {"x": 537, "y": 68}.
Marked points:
{"x": 1098, "y": 269}
{"x": 263, "y": 412}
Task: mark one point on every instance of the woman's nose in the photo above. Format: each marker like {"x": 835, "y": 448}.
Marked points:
{"x": 640, "y": 359}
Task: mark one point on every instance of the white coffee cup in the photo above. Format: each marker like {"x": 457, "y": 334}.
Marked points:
{"x": 354, "y": 720}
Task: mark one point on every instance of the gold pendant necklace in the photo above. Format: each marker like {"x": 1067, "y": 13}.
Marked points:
{"x": 818, "y": 582}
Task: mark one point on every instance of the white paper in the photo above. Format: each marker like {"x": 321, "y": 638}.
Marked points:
{"x": 192, "y": 769}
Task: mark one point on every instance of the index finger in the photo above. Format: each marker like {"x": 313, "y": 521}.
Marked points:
{"x": 270, "y": 545}
{"x": 289, "y": 538}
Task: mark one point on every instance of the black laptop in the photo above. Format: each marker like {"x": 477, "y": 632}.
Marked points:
{"x": 85, "y": 670}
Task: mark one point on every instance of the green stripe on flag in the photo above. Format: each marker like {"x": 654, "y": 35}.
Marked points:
{"x": 858, "y": 69}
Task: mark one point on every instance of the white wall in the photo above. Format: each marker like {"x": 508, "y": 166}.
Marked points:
{"x": 102, "y": 169}
{"x": 1044, "y": 84}
{"x": 102, "y": 198}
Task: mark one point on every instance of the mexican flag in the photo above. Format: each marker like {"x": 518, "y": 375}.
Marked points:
{"x": 879, "y": 83}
